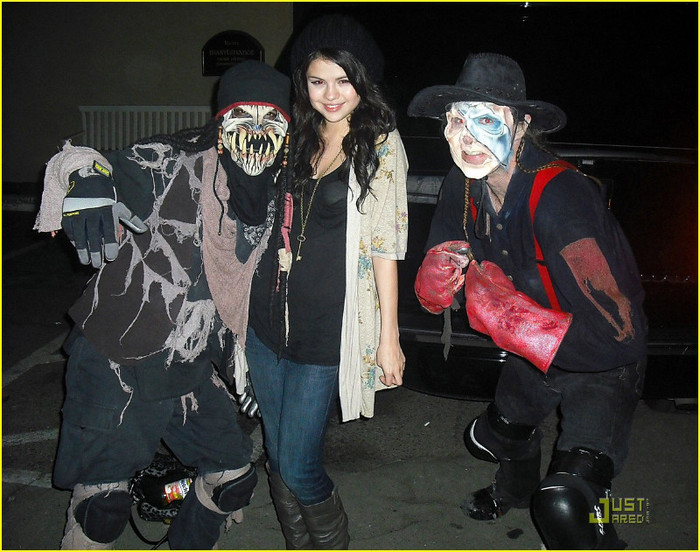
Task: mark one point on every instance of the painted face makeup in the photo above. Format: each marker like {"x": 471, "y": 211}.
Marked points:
{"x": 480, "y": 135}
{"x": 253, "y": 135}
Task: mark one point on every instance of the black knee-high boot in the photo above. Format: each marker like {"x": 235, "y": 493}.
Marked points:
{"x": 512, "y": 487}
{"x": 296, "y": 535}
{"x": 327, "y": 523}
{"x": 516, "y": 448}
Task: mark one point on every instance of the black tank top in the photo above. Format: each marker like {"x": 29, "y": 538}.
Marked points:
{"x": 316, "y": 284}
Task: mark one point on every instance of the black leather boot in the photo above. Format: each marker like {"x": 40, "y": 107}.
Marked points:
{"x": 516, "y": 448}
{"x": 296, "y": 535}
{"x": 513, "y": 486}
{"x": 327, "y": 523}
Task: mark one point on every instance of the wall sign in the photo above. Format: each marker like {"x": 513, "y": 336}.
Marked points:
{"x": 228, "y": 48}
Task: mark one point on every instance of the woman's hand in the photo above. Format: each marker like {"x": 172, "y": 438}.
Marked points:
{"x": 390, "y": 357}
{"x": 391, "y": 360}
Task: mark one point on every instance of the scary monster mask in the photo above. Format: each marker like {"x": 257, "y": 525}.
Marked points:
{"x": 253, "y": 135}
{"x": 480, "y": 135}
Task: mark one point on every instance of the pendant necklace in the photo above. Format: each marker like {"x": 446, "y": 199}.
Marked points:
{"x": 305, "y": 218}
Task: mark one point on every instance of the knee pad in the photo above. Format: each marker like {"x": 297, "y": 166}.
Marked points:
{"x": 104, "y": 515}
{"x": 226, "y": 491}
{"x": 491, "y": 437}
{"x": 566, "y": 507}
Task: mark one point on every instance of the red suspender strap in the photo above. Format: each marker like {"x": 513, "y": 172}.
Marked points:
{"x": 541, "y": 180}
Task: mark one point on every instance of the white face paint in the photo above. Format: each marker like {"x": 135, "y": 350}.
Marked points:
{"x": 253, "y": 135}
{"x": 480, "y": 135}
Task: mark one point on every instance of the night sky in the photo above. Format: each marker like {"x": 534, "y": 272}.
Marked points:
{"x": 625, "y": 73}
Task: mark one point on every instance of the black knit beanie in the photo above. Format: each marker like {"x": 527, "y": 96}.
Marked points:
{"x": 253, "y": 82}
{"x": 343, "y": 33}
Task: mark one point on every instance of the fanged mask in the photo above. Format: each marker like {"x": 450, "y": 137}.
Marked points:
{"x": 253, "y": 135}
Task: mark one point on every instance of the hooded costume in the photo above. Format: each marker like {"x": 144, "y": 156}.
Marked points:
{"x": 174, "y": 302}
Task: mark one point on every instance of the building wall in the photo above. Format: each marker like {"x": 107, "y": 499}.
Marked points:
{"x": 57, "y": 56}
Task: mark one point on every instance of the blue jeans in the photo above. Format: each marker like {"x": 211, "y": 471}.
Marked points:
{"x": 295, "y": 403}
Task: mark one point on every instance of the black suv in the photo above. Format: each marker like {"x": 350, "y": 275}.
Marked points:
{"x": 608, "y": 66}
{"x": 653, "y": 192}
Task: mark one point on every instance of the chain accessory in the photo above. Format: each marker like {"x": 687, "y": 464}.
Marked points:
{"x": 285, "y": 152}
{"x": 467, "y": 185}
{"x": 305, "y": 218}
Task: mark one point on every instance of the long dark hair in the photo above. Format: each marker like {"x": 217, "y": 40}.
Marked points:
{"x": 372, "y": 119}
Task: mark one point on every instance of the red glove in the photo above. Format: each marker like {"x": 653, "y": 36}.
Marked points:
{"x": 515, "y": 322}
{"x": 440, "y": 277}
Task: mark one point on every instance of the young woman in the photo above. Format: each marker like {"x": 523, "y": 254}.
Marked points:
{"x": 323, "y": 317}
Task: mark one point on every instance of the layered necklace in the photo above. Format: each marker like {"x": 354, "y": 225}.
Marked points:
{"x": 305, "y": 216}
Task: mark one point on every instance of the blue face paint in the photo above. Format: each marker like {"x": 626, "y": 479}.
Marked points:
{"x": 486, "y": 126}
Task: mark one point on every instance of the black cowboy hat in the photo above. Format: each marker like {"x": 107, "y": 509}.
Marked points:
{"x": 488, "y": 77}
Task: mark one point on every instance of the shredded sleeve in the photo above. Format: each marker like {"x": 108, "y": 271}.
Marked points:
{"x": 58, "y": 171}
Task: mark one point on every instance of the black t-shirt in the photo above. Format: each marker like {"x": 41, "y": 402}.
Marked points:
{"x": 316, "y": 283}
{"x": 156, "y": 378}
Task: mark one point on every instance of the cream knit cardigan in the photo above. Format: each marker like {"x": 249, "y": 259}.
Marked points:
{"x": 381, "y": 230}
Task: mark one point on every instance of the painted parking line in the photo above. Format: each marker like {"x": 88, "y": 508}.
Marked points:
{"x": 44, "y": 355}
{"x": 30, "y": 437}
{"x": 27, "y": 477}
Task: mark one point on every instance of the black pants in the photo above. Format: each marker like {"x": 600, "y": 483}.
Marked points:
{"x": 109, "y": 430}
{"x": 596, "y": 408}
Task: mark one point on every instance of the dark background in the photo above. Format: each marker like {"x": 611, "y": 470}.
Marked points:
{"x": 625, "y": 73}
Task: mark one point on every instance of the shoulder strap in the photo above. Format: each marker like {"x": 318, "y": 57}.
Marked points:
{"x": 541, "y": 180}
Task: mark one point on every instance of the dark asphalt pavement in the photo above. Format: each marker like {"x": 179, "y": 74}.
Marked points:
{"x": 401, "y": 475}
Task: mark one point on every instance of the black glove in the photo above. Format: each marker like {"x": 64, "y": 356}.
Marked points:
{"x": 247, "y": 401}
{"x": 91, "y": 215}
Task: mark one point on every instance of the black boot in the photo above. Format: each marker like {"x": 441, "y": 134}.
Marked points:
{"x": 327, "y": 523}
{"x": 516, "y": 447}
{"x": 296, "y": 535}
{"x": 512, "y": 487}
